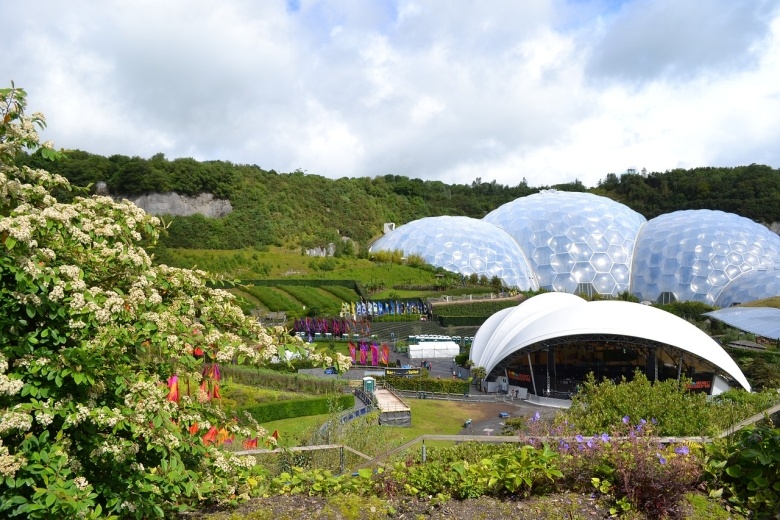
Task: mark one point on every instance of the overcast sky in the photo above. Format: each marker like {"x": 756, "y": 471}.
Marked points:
{"x": 548, "y": 90}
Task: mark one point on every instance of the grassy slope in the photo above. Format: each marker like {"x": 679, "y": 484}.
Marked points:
{"x": 279, "y": 263}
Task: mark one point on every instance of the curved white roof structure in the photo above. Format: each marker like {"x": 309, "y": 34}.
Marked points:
{"x": 558, "y": 315}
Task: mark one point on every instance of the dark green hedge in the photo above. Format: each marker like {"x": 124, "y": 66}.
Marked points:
{"x": 444, "y": 386}
{"x": 484, "y": 308}
{"x": 277, "y": 410}
{"x": 461, "y": 321}
{"x": 281, "y": 380}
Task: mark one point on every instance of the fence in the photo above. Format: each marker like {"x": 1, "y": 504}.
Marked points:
{"x": 374, "y": 461}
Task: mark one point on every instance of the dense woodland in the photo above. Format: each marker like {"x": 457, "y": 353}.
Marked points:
{"x": 300, "y": 209}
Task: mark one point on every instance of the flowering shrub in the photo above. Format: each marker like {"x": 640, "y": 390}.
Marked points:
{"x": 109, "y": 366}
{"x": 598, "y": 405}
{"x": 633, "y": 467}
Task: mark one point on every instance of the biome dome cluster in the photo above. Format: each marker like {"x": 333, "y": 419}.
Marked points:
{"x": 582, "y": 243}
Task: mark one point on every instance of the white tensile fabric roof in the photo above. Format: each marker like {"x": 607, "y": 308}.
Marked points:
{"x": 556, "y": 315}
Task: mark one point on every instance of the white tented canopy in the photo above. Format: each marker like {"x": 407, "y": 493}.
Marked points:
{"x": 434, "y": 350}
{"x": 557, "y": 315}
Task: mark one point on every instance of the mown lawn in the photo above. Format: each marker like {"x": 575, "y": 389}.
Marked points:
{"x": 295, "y": 431}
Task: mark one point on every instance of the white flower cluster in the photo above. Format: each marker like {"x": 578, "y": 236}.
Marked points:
{"x": 115, "y": 449}
{"x": 10, "y": 464}
{"x": 228, "y": 463}
{"x": 8, "y": 386}
{"x": 79, "y": 416}
{"x": 44, "y": 418}
{"x": 13, "y": 420}
{"x": 105, "y": 417}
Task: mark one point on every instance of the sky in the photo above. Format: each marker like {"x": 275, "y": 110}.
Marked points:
{"x": 550, "y": 91}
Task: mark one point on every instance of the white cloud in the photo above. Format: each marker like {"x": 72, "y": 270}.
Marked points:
{"x": 549, "y": 91}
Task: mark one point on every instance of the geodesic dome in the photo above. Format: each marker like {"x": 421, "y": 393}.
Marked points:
{"x": 694, "y": 254}
{"x": 749, "y": 287}
{"x": 463, "y": 245}
{"x": 575, "y": 242}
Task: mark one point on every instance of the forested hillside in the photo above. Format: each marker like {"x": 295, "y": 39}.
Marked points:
{"x": 299, "y": 209}
{"x": 751, "y": 191}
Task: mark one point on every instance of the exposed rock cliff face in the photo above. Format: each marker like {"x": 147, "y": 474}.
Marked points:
{"x": 182, "y": 205}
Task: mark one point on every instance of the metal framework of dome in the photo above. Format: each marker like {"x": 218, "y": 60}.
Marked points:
{"x": 576, "y": 242}
{"x": 463, "y": 245}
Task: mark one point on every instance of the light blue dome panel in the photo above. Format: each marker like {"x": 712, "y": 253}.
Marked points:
{"x": 749, "y": 287}
{"x": 579, "y": 228}
{"x": 463, "y": 245}
{"x": 698, "y": 245}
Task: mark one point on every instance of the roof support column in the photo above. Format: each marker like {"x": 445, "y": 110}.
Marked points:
{"x": 679, "y": 369}
{"x": 533, "y": 379}
{"x": 550, "y": 364}
{"x": 651, "y": 367}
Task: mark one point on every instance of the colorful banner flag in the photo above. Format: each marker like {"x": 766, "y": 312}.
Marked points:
{"x": 374, "y": 354}
{"x": 352, "y": 351}
{"x": 385, "y": 354}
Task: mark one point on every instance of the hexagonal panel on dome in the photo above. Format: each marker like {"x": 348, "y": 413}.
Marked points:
{"x": 699, "y": 245}
{"x": 463, "y": 245}
{"x": 578, "y": 227}
{"x": 749, "y": 287}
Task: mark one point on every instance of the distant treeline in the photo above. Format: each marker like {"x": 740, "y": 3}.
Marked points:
{"x": 751, "y": 191}
{"x": 303, "y": 210}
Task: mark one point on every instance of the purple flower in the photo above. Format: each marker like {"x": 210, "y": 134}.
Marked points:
{"x": 653, "y": 421}
{"x": 625, "y": 419}
{"x": 590, "y": 444}
{"x": 579, "y": 438}
{"x": 661, "y": 459}
{"x": 604, "y": 437}
{"x": 536, "y": 417}
{"x": 565, "y": 446}
{"x": 682, "y": 450}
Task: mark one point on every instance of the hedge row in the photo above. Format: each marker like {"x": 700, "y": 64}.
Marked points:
{"x": 444, "y": 386}
{"x": 461, "y": 321}
{"x": 310, "y": 283}
{"x": 346, "y": 294}
{"x": 393, "y": 318}
{"x": 325, "y": 303}
{"x": 277, "y": 410}
{"x": 273, "y": 300}
{"x": 483, "y": 308}
{"x": 279, "y": 380}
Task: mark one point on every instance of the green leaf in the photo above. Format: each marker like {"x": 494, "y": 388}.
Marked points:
{"x": 734, "y": 471}
{"x": 10, "y": 242}
{"x": 762, "y": 482}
